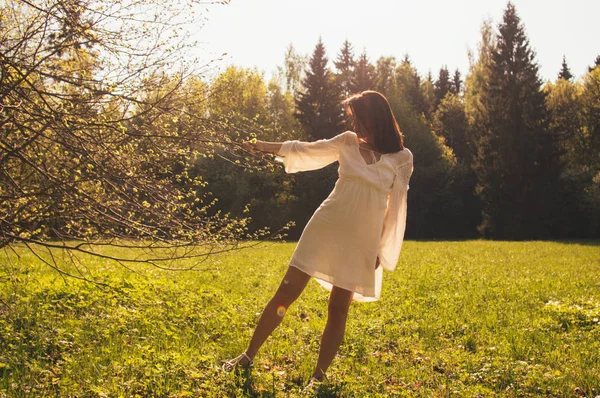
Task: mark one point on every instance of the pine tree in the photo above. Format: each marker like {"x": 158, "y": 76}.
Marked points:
{"x": 590, "y": 100}
{"x": 474, "y": 84}
{"x": 456, "y": 83}
{"x": 384, "y": 74}
{"x": 450, "y": 122}
{"x": 442, "y": 86}
{"x": 430, "y": 77}
{"x": 409, "y": 85}
{"x": 516, "y": 163}
{"x": 364, "y": 74}
{"x": 318, "y": 102}
{"x": 345, "y": 65}
{"x": 596, "y": 64}
{"x": 427, "y": 89}
{"x": 565, "y": 73}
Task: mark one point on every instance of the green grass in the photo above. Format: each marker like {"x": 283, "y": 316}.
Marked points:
{"x": 455, "y": 319}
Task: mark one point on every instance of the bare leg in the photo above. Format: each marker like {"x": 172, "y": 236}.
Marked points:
{"x": 337, "y": 313}
{"x": 291, "y": 286}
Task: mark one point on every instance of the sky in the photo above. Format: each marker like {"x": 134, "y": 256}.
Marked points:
{"x": 434, "y": 33}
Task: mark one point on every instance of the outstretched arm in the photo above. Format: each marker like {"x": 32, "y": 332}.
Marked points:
{"x": 262, "y": 146}
{"x": 303, "y": 156}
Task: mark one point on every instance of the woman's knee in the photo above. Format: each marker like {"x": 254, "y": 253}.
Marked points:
{"x": 337, "y": 312}
{"x": 339, "y": 303}
{"x": 291, "y": 287}
{"x": 285, "y": 297}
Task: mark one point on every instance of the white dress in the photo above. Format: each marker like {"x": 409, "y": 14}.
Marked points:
{"x": 363, "y": 217}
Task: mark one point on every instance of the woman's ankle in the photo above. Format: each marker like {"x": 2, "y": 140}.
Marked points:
{"x": 318, "y": 374}
{"x": 250, "y": 355}
{"x": 245, "y": 358}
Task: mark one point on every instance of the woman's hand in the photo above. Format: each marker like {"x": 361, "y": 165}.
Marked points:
{"x": 377, "y": 263}
{"x": 253, "y": 145}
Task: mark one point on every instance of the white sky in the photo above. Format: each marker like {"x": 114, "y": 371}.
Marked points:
{"x": 433, "y": 32}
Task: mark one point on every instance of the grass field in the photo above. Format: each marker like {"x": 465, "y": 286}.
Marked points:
{"x": 456, "y": 319}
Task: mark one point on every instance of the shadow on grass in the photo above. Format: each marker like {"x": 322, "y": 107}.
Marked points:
{"x": 328, "y": 391}
{"x": 244, "y": 380}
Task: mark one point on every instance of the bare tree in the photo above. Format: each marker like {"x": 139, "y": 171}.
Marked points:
{"x": 101, "y": 112}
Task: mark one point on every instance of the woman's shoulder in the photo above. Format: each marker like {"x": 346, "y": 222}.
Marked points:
{"x": 344, "y": 139}
{"x": 402, "y": 156}
{"x": 401, "y": 162}
{"x": 350, "y": 137}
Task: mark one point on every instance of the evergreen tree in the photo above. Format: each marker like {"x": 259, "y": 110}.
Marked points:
{"x": 456, "y": 83}
{"x": 364, "y": 74}
{"x": 565, "y": 73}
{"x": 318, "y": 102}
{"x": 428, "y": 95}
{"x": 596, "y": 64}
{"x": 437, "y": 185}
{"x": 345, "y": 65}
{"x": 590, "y": 100}
{"x": 475, "y": 81}
{"x": 516, "y": 163}
{"x": 384, "y": 74}
{"x": 408, "y": 84}
{"x": 430, "y": 77}
{"x": 442, "y": 86}
{"x": 450, "y": 122}
{"x": 590, "y": 112}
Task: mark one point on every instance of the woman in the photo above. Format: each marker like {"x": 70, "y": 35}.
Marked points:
{"x": 359, "y": 227}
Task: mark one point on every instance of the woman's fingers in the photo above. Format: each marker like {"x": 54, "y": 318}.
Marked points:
{"x": 249, "y": 146}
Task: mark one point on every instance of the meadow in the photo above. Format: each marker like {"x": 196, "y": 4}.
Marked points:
{"x": 456, "y": 319}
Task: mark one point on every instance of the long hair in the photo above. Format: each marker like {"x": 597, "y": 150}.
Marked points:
{"x": 373, "y": 119}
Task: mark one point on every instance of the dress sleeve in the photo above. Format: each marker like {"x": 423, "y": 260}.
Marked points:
{"x": 394, "y": 223}
{"x": 303, "y": 156}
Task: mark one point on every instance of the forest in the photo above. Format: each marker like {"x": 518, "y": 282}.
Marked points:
{"x": 110, "y": 133}
{"x": 498, "y": 153}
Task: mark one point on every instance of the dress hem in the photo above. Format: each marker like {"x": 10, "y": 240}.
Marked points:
{"x": 327, "y": 282}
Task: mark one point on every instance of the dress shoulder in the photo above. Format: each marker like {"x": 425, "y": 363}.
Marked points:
{"x": 402, "y": 162}
{"x": 350, "y": 137}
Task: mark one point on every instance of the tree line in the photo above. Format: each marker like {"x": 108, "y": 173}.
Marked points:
{"x": 498, "y": 153}
{"x": 110, "y": 135}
